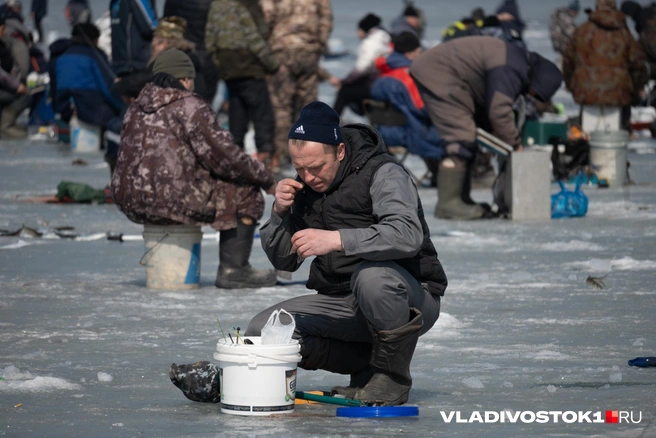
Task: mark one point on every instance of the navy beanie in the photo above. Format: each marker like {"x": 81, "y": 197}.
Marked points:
{"x": 318, "y": 122}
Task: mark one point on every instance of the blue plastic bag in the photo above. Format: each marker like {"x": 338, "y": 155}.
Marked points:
{"x": 567, "y": 203}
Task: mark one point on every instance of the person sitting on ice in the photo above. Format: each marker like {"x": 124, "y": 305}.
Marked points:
{"x": 354, "y": 88}
{"x": 355, "y": 209}
{"x": 396, "y": 86}
{"x": 176, "y": 165}
{"x": 83, "y": 79}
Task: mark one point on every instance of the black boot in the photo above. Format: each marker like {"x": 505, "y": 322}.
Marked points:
{"x": 358, "y": 381}
{"x": 235, "y": 272}
{"x": 450, "y": 186}
{"x": 390, "y": 361}
{"x": 467, "y": 186}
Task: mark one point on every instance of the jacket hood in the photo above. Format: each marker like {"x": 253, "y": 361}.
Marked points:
{"x": 546, "y": 77}
{"x": 608, "y": 18}
{"x": 152, "y": 98}
{"x": 393, "y": 61}
{"x": 362, "y": 143}
{"x": 58, "y": 47}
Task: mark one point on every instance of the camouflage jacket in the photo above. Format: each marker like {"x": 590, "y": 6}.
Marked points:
{"x": 236, "y": 38}
{"x": 173, "y": 153}
{"x": 562, "y": 27}
{"x": 604, "y": 64}
{"x": 302, "y": 25}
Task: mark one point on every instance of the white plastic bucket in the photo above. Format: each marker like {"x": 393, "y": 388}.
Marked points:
{"x": 172, "y": 256}
{"x": 85, "y": 137}
{"x": 257, "y": 379}
{"x": 608, "y": 156}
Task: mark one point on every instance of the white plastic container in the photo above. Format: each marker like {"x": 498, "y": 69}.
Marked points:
{"x": 85, "y": 138}
{"x": 172, "y": 256}
{"x": 257, "y": 379}
{"x": 608, "y": 156}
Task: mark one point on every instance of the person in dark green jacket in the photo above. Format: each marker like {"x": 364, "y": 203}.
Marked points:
{"x": 236, "y": 39}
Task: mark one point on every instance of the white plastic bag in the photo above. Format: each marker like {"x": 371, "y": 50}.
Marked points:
{"x": 275, "y": 332}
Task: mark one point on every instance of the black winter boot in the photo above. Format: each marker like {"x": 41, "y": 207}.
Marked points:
{"x": 390, "y": 361}
{"x": 358, "y": 381}
{"x": 450, "y": 185}
{"x": 235, "y": 272}
{"x": 467, "y": 185}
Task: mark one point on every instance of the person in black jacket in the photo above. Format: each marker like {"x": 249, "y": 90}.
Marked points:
{"x": 39, "y": 11}
{"x": 133, "y": 24}
{"x": 196, "y": 12}
{"x": 356, "y": 210}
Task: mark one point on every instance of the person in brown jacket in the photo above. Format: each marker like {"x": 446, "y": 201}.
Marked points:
{"x": 473, "y": 82}
{"x": 604, "y": 64}
{"x": 176, "y": 165}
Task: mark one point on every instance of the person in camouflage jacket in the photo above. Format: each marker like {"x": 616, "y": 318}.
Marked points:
{"x": 176, "y": 165}
{"x": 299, "y": 36}
{"x": 563, "y": 25}
{"x": 236, "y": 38}
{"x": 604, "y": 65}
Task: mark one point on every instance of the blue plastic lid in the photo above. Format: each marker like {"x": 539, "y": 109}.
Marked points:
{"x": 378, "y": 411}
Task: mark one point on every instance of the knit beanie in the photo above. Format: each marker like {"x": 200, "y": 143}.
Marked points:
{"x": 411, "y": 11}
{"x": 405, "y": 42}
{"x": 318, "y": 122}
{"x": 574, "y": 6}
{"x": 606, "y": 4}
{"x": 478, "y": 14}
{"x": 86, "y": 31}
{"x": 176, "y": 63}
{"x": 369, "y": 22}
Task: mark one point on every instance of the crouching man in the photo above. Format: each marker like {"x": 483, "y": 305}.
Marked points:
{"x": 376, "y": 271}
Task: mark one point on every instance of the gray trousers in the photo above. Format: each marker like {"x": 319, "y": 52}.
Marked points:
{"x": 335, "y": 331}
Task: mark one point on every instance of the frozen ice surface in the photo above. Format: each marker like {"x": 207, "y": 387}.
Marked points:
{"x": 104, "y": 377}
{"x": 518, "y": 315}
{"x": 473, "y": 383}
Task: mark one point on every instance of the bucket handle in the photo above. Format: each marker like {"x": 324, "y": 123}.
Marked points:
{"x": 141, "y": 262}
{"x": 251, "y": 359}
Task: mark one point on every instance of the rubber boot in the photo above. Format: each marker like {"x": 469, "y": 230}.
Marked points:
{"x": 450, "y": 184}
{"x": 358, "y": 381}
{"x": 8, "y": 127}
{"x": 390, "y": 361}
{"x": 235, "y": 272}
{"x": 467, "y": 185}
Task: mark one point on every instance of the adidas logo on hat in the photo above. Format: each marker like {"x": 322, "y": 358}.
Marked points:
{"x": 318, "y": 123}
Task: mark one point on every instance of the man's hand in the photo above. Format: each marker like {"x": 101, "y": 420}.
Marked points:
{"x": 285, "y": 192}
{"x": 21, "y": 89}
{"x": 313, "y": 242}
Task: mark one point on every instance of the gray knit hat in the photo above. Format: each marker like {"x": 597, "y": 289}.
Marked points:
{"x": 176, "y": 63}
